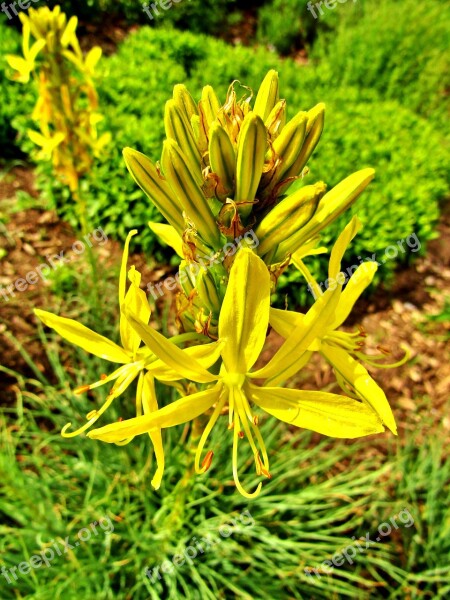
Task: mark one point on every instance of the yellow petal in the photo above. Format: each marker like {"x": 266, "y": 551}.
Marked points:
{"x": 244, "y": 316}
{"x": 359, "y": 379}
{"x": 69, "y": 31}
{"x": 360, "y": 279}
{"x": 206, "y": 355}
{"x": 315, "y": 323}
{"x": 150, "y": 406}
{"x": 169, "y": 235}
{"x": 341, "y": 245}
{"x": 285, "y": 321}
{"x": 174, "y": 357}
{"x": 123, "y": 267}
{"x": 92, "y": 58}
{"x": 85, "y": 338}
{"x": 136, "y": 302}
{"x": 329, "y": 414}
{"x": 35, "y": 49}
{"x": 22, "y": 66}
{"x": 176, "y": 413}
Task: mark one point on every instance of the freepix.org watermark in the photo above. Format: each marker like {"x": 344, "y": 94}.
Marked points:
{"x": 249, "y": 240}
{"x": 5, "y": 8}
{"x": 317, "y": 9}
{"x": 59, "y": 548}
{"x": 152, "y": 10}
{"x": 196, "y": 547}
{"x": 21, "y": 284}
{"x": 412, "y": 243}
{"x": 404, "y": 518}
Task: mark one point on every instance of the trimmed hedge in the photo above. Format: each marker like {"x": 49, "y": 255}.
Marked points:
{"x": 361, "y": 130}
{"x": 15, "y": 99}
{"x": 199, "y": 16}
{"x": 399, "y": 49}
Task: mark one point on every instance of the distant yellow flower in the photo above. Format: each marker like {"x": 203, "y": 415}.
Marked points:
{"x": 25, "y": 66}
{"x": 243, "y": 324}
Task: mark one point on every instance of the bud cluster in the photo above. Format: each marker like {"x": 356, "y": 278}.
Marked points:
{"x": 226, "y": 169}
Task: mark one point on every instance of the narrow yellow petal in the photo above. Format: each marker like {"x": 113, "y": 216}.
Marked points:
{"x": 123, "y": 267}
{"x": 359, "y": 379}
{"x": 244, "y": 316}
{"x": 178, "y": 412}
{"x": 206, "y": 355}
{"x": 283, "y": 364}
{"x": 359, "y": 281}
{"x": 169, "y": 235}
{"x": 150, "y": 406}
{"x": 85, "y": 338}
{"x": 329, "y": 414}
{"x": 341, "y": 245}
{"x": 137, "y": 303}
{"x": 173, "y": 356}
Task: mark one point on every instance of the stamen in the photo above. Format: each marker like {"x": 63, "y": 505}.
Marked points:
{"x": 384, "y": 350}
{"x": 241, "y": 434}
{"x": 81, "y": 389}
{"x": 255, "y": 420}
{"x": 120, "y": 419}
{"x": 235, "y": 469}
{"x": 206, "y": 463}
{"x": 212, "y": 421}
{"x": 103, "y": 376}
{"x": 91, "y": 415}
{"x": 260, "y": 468}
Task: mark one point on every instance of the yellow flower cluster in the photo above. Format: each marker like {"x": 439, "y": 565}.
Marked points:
{"x": 225, "y": 170}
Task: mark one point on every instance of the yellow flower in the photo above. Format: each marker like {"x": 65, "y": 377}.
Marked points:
{"x": 25, "y": 66}
{"x": 134, "y": 360}
{"x": 341, "y": 349}
{"x": 243, "y": 324}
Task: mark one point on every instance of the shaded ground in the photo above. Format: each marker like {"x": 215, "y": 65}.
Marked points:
{"x": 410, "y": 315}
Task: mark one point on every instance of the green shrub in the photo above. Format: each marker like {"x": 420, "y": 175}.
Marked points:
{"x": 201, "y": 16}
{"x": 409, "y": 157}
{"x": 360, "y": 131}
{"x": 288, "y": 25}
{"x": 14, "y": 100}
{"x": 398, "y": 48}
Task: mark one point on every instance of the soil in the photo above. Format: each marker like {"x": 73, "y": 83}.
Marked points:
{"x": 405, "y": 317}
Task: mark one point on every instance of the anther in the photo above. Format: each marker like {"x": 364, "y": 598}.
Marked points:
{"x": 206, "y": 463}
{"x": 81, "y": 389}
{"x": 383, "y": 350}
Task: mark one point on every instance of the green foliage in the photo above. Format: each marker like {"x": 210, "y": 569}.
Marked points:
{"x": 13, "y": 99}
{"x": 200, "y": 16}
{"x": 399, "y": 49}
{"x": 288, "y": 25}
{"x": 400, "y": 201}
{"x": 361, "y": 130}
{"x": 321, "y": 496}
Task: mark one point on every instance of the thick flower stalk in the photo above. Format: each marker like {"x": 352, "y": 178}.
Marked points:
{"x": 222, "y": 186}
